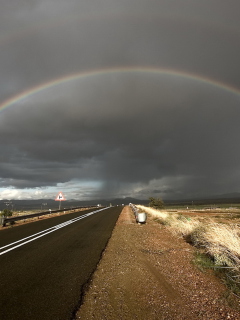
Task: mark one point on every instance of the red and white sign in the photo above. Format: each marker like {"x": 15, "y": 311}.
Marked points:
{"x": 60, "y": 197}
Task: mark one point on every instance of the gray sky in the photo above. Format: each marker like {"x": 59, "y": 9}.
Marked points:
{"x": 106, "y": 98}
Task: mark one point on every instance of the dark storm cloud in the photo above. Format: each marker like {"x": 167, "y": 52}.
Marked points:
{"x": 135, "y": 133}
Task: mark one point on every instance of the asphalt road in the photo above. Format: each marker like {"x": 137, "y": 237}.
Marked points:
{"x": 44, "y": 279}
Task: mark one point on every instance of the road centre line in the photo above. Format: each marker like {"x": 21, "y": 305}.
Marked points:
{"x": 45, "y": 232}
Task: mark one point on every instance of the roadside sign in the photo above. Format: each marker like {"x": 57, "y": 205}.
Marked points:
{"x": 60, "y": 197}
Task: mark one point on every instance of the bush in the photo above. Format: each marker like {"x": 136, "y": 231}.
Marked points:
{"x": 156, "y": 203}
{"x": 6, "y": 213}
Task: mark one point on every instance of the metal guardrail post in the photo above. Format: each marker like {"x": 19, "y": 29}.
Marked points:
{"x": 2, "y": 221}
{"x": 141, "y": 217}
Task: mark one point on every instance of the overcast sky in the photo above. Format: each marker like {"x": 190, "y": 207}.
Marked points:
{"x": 102, "y": 99}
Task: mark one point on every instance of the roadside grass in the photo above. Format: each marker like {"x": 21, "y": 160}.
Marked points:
{"x": 205, "y": 263}
{"x": 202, "y": 261}
{"x": 219, "y": 243}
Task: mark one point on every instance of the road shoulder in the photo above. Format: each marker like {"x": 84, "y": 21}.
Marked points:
{"x": 146, "y": 273}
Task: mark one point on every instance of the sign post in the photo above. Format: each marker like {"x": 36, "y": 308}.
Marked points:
{"x": 60, "y": 197}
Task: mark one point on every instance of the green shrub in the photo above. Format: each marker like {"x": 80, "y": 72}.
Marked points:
{"x": 202, "y": 261}
{"x": 6, "y": 213}
{"x": 156, "y": 203}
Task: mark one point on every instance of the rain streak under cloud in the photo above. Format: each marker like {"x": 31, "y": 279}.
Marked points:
{"x": 106, "y": 99}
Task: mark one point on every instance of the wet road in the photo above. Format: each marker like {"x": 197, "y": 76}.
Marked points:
{"x": 42, "y": 277}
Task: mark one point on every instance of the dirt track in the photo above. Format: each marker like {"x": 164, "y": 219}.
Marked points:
{"x": 146, "y": 273}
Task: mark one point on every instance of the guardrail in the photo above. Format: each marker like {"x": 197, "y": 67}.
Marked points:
{"x": 11, "y": 220}
{"x": 141, "y": 217}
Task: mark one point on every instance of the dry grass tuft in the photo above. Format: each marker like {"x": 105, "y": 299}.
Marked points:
{"x": 221, "y": 242}
{"x": 179, "y": 224}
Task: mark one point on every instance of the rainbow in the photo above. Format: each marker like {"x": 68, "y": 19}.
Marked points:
{"x": 93, "y": 73}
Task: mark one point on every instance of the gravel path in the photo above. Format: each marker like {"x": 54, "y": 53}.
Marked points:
{"x": 146, "y": 273}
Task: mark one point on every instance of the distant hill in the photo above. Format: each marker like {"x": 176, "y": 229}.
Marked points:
{"x": 45, "y": 204}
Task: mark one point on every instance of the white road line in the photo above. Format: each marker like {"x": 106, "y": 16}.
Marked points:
{"x": 45, "y": 232}
{"x": 10, "y": 244}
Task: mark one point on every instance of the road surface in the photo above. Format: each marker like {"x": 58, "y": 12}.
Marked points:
{"x": 42, "y": 276}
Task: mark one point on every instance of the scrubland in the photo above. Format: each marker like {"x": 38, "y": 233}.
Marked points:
{"x": 216, "y": 238}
